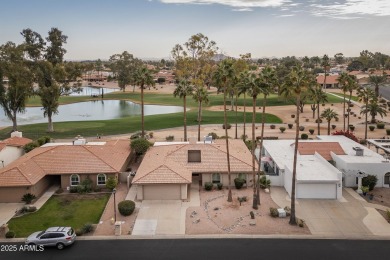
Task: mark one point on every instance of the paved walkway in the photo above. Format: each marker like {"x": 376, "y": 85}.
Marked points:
{"x": 46, "y": 196}
{"x": 350, "y": 217}
{"x": 165, "y": 217}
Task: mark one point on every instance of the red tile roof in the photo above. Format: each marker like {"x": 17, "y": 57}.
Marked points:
{"x": 330, "y": 79}
{"x": 323, "y": 148}
{"x": 16, "y": 141}
{"x": 169, "y": 163}
{"x": 65, "y": 159}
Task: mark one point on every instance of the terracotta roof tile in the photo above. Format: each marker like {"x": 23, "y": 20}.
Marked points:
{"x": 16, "y": 141}
{"x": 169, "y": 163}
{"x": 330, "y": 79}
{"x": 323, "y": 148}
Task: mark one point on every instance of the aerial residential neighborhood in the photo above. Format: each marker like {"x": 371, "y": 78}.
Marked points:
{"x": 213, "y": 127}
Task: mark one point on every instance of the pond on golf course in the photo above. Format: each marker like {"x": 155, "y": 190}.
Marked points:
{"x": 88, "y": 111}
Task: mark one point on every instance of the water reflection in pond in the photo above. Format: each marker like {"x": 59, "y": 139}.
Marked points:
{"x": 91, "y": 110}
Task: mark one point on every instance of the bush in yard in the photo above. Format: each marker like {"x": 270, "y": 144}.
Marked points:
{"x": 304, "y": 136}
{"x": 136, "y": 135}
{"x": 352, "y": 128}
{"x": 264, "y": 182}
{"x": 311, "y": 131}
{"x": 282, "y": 129}
{"x": 219, "y": 186}
{"x": 30, "y": 146}
{"x": 86, "y": 186}
{"x": 79, "y": 232}
{"x": 10, "y": 234}
{"x": 28, "y": 197}
{"x": 388, "y": 131}
{"x": 333, "y": 127}
{"x": 380, "y": 126}
{"x": 73, "y": 189}
{"x": 370, "y": 181}
{"x": 140, "y": 146}
{"x": 111, "y": 183}
{"x": 208, "y": 186}
{"x": 272, "y": 126}
{"x": 371, "y": 127}
{"x": 290, "y": 126}
{"x": 126, "y": 207}
{"x": 213, "y": 135}
{"x": 301, "y": 128}
{"x": 170, "y": 138}
{"x": 238, "y": 182}
{"x": 228, "y": 126}
{"x": 274, "y": 212}
{"x": 87, "y": 228}
{"x": 43, "y": 140}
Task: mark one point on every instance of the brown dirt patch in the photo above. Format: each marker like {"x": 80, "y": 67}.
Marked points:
{"x": 217, "y": 216}
{"x": 381, "y": 196}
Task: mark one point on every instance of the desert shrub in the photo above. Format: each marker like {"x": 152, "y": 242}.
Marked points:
{"x": 73, "y": 189}
{"x": 282, "y": 129}
{"x": 304, "y": 136}
{"x": 248, "y": 144}
{"x": 30, "y": 146}
{"x": 264, "y": 182}
{"x": 29, "y": 209}
{"x": 388, "y": 131}
{"x": 380, "y": 126}
{"x": 170, "y": 138}
{"x": 292, "y": 116}
{"x": 290, "y": 126}
{"x": 228, "y": 126}
{"x": 274, "y": 212}
{"x": 333, "y": 126}
{"x": 288, "y": 210}
{"x": 301, "y": 128}
{"x": 151, "y": 134}
{"x": 239, "y": 182}
{"x": 311, "y": 131}
{"x": 224, "y": 137}
{"x": 363, "y": 142}
{"x": 371, "y": 127}
{"x": 244, "y": 137}
{"x": 140, "y": 146}
{"x": 272, "y": 126}
{"x": 28, "y": 197}
{"x": 43, "y": 140}
{"x": 301, "y": 223}
{"x": 208, "y": 186}
{"x": 79, "y": 232}
{"x": 87, "y": 228}
{"x": 111, "y": 183}
{"x": 10, "y": 234}
{"x": 213, "y": 135}
{"x": 85, "y": 186}
{"x": 219, "y": 186}
{"x": 352, "y": 128}
{"x": 370, "y": 181}
{"x": 136, "y": 135}
{"x": 126, "y": 207}
{"x": 317, "y": 121}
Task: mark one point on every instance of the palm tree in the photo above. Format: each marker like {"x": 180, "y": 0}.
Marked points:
{"x": 267, "y": 81}
{"x": 351, "y": 86}
{"x": 224, "y": 76}
{"x": 343, "y": 81}
{"x": 374, "y": 109}
{"x": 201, "y": 96}
{"x": 297, "y": 82}
{"x": 184, "y": 89}
{"x": 365, "y": 95}
{"x": 325, "y": 64}
{"x": 329, "y": 114}
{"x": 377, "y": 80}
{"x": 253, "y": 91}
{"x": 318, "y": 96}
{"x": 243, "y": 89}
{"x": 143, "y": 77}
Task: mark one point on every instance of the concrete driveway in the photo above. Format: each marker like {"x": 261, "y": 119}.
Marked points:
{"x": 7, "y": 211}
{"x": 348, "y": 217}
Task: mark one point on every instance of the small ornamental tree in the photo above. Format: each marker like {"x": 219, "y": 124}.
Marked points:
{"x": 111, "y": 183}
{"x": 370, "y": 181}
{"x": 28, "y": 198}
{"x": 140, "y": 146}
{"x": 347, "y": 133}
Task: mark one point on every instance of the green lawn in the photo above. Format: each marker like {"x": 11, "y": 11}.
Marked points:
{"x": 354, "y": 98}
{"x": 131, "y": 124}
{"x": 61, "y": 211}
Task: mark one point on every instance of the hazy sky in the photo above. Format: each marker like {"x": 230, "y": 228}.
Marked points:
{"x": 150, "y": 28}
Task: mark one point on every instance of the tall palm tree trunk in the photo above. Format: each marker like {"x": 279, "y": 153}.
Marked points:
{"x": 366, "y": 123}
{"x": 236, "y": 134}
{"x": 318, "y": 119}
{"x": 254, "y": 205}
{"x": 244, "y": 118}
{"x": 344, "y": 112}
{"x": 261, "y": 147}
{"x": 230, "y": 199}
{"x": 328, "y": 127}
{"x": 185, "y": 118}
{"x": 349, "y": 102}
{"x": 293, "y": 220}
{"x": 199, "y": 118}
{"x": 142, "y": 112}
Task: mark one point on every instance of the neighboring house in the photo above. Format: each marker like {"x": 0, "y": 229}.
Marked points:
{"x": 64, "y": 164}
{"x": 331, "y": 81}
{"x": 167, "y": 169}
{"x": 324, "y": 166}
{"x": 12, "y": 148}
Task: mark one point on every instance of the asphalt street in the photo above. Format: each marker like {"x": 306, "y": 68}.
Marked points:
{"x": 385, "y": 91}
{"x": 188, "y": 249}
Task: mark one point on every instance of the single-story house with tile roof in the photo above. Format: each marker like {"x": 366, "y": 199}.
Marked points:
{"x": 66, "y": 164}
{"x": 12, "y": 148}
{"x": 167, "y": 170}
{"x": 324, "y": 165}
{"x": 331, "y": 81}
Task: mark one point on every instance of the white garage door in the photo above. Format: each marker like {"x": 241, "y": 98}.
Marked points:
{"x": 162, "y": 192}
{"x": 316, "y": 191}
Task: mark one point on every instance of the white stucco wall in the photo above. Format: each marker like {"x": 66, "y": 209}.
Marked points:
{"x": 9, "y": 154}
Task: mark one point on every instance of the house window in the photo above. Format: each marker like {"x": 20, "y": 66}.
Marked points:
{"x": 74, "y": 180}
{"x": 194, "y": 156}
{"x": 101, "y": 179}
{"x": 216, "y": 177}
{"x": 387, "y": 178}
